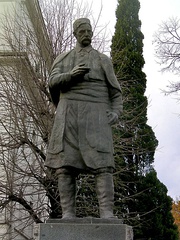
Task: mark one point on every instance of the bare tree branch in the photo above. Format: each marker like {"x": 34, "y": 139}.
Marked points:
{"x": 167, "y": 50}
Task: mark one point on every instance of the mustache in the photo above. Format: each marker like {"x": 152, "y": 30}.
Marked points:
{"x": 86, "y": 38}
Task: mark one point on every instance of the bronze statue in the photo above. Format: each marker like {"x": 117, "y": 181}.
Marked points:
{"x": 88, "y": 97}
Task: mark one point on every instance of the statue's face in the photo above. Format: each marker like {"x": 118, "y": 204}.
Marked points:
{"x": 84, "y": 34}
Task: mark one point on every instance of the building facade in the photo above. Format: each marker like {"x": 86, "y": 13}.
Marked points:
{"x": 25, "y": 59}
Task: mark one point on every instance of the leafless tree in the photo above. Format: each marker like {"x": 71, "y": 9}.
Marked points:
{"x": 28, "y": 192}
{"x": 167, "y": 49}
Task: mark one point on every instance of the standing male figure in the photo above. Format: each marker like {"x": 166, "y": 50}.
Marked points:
{"x": 87, "y": 94}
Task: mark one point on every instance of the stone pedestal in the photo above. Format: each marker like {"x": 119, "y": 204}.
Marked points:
{"x": 84, "y": 229}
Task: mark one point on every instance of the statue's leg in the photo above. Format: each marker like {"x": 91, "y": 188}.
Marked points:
{"x": 67, "y": 191}
{"x": 105, "y": 194}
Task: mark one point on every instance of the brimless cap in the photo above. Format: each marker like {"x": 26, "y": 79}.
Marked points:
{"x": 80, "y": 21}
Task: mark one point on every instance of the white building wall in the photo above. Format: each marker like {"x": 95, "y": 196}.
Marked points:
{"x": 14, "y": 12}
{"x": 7, "y": 8}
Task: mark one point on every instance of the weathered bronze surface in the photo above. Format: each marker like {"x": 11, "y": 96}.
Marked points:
{"x": 87, "y": 94}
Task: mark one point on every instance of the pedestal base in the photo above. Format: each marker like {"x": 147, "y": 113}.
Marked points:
{"x": 84, "y": 229}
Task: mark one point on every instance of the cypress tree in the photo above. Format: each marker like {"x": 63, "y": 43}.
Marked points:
{"x": 127, "y": 54}
{"x": 134, "y": 139}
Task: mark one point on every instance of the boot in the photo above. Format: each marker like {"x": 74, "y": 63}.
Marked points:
{"x": 67, "y": 191}
{"x": 105, "y": 194}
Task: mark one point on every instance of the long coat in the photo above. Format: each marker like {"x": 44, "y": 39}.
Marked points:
{"x": 97, "y": 150}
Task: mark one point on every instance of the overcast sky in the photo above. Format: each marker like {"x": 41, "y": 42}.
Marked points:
{"x": 162, "y": 111}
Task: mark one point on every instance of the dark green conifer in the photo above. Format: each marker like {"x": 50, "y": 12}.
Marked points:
{"x": 134, "y": 139}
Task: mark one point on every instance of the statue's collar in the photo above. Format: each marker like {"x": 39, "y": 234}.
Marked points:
{"x": 79, "y": 48}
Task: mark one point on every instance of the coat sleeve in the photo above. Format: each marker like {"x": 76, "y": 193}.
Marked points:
{"x": 59, "y": 79}
{"x": 115, "y": 93}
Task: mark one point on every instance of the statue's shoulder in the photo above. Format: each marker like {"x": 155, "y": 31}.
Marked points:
{"x": 105, "y": 59}
{"x": 61, "y": 56}
{"x": 103, "y": 56}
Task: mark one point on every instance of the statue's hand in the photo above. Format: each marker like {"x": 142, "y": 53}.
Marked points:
{"x": 112, "y": 117}
{"x": 79, "y": 70}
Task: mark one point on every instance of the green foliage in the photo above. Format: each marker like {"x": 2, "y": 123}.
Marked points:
{"x": 140, "y": 198}
{"x": 128, "y": 60}
{"x": 136, "y": 136}
{"x": 154, "y": 208}
{"x": 86, "y": 203}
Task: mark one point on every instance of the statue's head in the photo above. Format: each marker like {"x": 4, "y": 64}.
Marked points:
{"x": 83, "y": 31}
